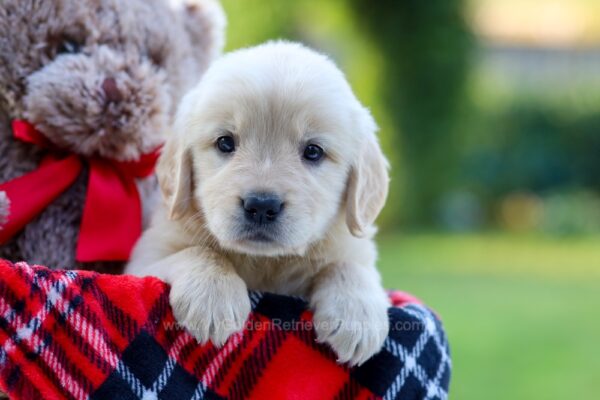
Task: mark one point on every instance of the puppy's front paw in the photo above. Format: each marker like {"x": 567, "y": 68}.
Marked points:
{"x": 355, "y": 327}
{"x": 211, "y": 307}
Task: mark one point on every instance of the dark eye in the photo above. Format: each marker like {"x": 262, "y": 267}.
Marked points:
{"x": 313, "y": 153}
{"x": 156, "y": 58}
{"x": 226, "y": 144}
{"x": 68, "y": 46}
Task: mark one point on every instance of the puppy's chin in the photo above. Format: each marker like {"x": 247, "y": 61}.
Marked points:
{"x": 263, "y": 241}
{"x": 259, "y": 246}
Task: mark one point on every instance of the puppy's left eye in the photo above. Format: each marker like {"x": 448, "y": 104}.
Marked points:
{"x": 226, "y": 144}
{"x": 313, "y": 153}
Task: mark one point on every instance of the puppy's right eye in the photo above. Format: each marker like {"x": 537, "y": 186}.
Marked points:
{"x": 226, "y": 144}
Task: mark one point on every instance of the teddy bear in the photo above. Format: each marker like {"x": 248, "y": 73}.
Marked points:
{"x": 93, "y": 83}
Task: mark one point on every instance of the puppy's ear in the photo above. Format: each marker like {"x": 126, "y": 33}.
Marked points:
{"x": 368, "y": 181}
{"x": 205, "y": 22}
{"x": 175, "y": 176}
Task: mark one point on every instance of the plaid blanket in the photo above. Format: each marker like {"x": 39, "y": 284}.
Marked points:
{"x": 79, "y": 335}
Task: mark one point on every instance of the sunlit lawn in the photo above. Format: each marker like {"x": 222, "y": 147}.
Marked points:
{"x": 522, "y": 313}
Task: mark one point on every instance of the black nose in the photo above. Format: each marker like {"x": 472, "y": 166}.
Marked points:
{"x": 262, "y": 208}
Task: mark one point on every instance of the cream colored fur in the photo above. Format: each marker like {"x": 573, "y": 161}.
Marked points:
{"x": 274, "y": 99}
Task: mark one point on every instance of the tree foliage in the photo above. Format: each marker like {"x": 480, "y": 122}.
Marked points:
{"x": 427, "y": 48}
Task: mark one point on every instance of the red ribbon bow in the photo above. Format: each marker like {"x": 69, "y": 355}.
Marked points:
{"x": 112, "y": 216}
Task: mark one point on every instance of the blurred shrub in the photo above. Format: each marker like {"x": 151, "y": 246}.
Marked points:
{"x": 521, "y": 212}
{"x": 571, "y": 213}
{"x": 536, "y": 147}
{"x": 559, "y": 213}
{"x": 537, "y": 166}
{"x": 460, "y": 211}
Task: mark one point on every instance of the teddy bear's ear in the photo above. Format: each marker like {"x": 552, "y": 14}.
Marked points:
{"x": 205, "y": 22}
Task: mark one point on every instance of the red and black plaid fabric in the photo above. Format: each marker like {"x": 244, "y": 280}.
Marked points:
{"x": 80, "y": 335}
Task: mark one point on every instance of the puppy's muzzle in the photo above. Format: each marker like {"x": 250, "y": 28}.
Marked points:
{"x": 262, "y": 208}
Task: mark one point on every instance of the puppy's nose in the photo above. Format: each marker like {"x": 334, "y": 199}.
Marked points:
{"x": 262, "y": 208}
{"x": 111, "y": 91}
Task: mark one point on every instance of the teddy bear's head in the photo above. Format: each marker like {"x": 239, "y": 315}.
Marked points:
{"x": 103, "y": 77}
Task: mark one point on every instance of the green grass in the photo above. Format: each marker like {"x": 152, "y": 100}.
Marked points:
{"x": 521, "y": 312}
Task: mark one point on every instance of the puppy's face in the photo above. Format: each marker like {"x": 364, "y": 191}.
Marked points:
{"x": 271, "y": 149}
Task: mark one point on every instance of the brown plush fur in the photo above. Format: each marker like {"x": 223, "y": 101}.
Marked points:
{"x": 153, "y": 50}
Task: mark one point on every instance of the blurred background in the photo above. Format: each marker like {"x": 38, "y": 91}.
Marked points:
{"x": 490, "y": 115}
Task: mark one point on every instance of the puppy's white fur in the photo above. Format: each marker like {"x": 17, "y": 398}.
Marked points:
{"x": 274, "y": 99}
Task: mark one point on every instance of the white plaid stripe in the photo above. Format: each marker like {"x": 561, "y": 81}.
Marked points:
{"x": 143, "y": 392}
{"x": 27, "y": 332}
{"x": 200, "y": 392}
{"x": 95, "y": 339}
{"x": 433, "y": 386}
{"x": 255, "y": 298}
{"x": 219, "y": 359}
{"x": 410, "y": 358}
{"x": 134, "y": 383}
{"x": 86, "y": 330}
{"x": 182, "y": 339}
{"x": 161, "y": 381}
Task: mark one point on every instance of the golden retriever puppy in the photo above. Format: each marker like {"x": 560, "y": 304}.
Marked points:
{"x": 272, "y": 181}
